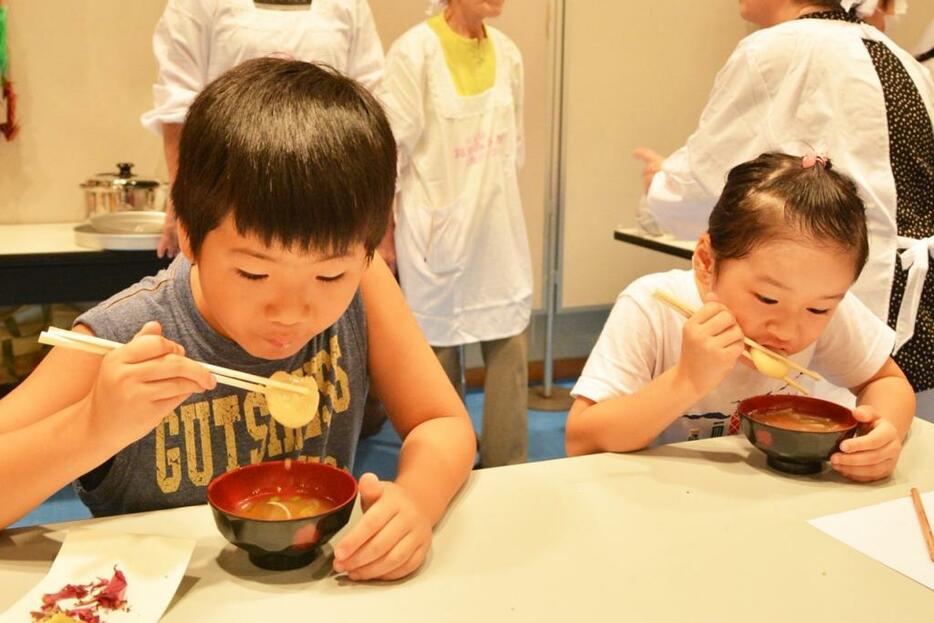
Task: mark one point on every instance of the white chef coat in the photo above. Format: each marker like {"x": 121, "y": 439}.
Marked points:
{"x": 196, "y": 41}
{"x": 802, "y": 84}
{"x": 461, "y": 243}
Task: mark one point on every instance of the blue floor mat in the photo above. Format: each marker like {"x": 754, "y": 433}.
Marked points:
{"x": 378, "y": 454}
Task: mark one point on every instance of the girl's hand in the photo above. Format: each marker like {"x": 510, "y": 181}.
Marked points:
{"x": 871, "y": 456}
{"x": 712, "y": 342}
{"x": 390, "y": 541}
{"x": 141, "y": 382}
{"x": 653, "y": 164}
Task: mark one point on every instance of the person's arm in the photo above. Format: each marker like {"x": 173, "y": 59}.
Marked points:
{"x": 885, "y": 409}
{"x": 181, "y": 45}
{"x": 366, "y": 62}
{"x": 438, "y": 448}
{"x": 712, "y": 343}
{"x": 734, "y": 127}
{"x": 77, "y": 410}
{"x": 518, "y": 97}
{"x": 168, "y": 244}
{"x": 402, "y": 96}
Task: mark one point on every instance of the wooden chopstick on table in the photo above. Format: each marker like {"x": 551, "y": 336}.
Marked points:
{"x": 923, "y": 520}
{"x": 99, "y": 346}
{"x": 686, "y": 311}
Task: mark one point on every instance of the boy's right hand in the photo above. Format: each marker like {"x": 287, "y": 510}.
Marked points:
{"x": 141, "y": 382}
{"x": 712, "y": 342}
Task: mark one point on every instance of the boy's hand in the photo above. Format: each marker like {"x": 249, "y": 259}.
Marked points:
{"x": 653, "y": 164}
{"x": 390, "y": 541}
{"x": 873, "y": 455}
{"x": 141, "y": 382}
{"x": 712, "y": 342}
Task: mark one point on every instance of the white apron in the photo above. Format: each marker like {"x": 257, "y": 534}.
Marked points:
{"x": 461, "y": 243}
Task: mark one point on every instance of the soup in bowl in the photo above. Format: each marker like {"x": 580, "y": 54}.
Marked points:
{"x": 282, "y": 512}
{"x": 797, "y": 433}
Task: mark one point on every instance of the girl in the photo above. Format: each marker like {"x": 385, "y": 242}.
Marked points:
{"x": 820, "y": 75}
{"x": 785, "y": 242}
{"x": 461, "y": 246}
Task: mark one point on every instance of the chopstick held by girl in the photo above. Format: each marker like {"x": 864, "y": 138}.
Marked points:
{"x": 784, "y": 243}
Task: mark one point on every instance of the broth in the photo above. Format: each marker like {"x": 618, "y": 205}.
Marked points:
{"x": 281, "y": 506}
{"x": 791, "y": 419}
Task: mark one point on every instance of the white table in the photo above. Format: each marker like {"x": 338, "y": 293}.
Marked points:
{"x": 40, "y": 263}
{"x": 701, "y": 531}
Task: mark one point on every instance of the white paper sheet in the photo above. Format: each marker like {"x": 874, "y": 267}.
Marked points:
{"x": 888, "y": 532}
{"x": 153, "y": 567}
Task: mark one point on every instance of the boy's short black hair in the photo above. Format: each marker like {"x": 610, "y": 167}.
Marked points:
{"x": 775, "y": 196}
{"x": 298, "y": 154}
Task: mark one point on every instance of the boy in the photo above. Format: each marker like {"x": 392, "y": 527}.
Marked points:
{"x": 283, "y": 192}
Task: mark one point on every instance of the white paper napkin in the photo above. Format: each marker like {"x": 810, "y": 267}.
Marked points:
{"x": 889, "y": 533}
{"x": 153, "y": 567}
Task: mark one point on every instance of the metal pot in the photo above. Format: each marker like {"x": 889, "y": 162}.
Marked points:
{"x": 122, "y": 191}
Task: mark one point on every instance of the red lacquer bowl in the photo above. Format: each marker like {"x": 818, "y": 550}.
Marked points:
{"x": 284, "y": 543}
{"x": 789, "y": 449}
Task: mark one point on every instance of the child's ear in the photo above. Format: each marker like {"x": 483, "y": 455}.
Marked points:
{"x": 184, "y": 242}
{"x": 703, "y": 262}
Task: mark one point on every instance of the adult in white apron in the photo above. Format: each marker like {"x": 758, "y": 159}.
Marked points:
{"x": 196, "y": 41}
{"x": 461, "y": 245}
{"x": 819, "y": 77}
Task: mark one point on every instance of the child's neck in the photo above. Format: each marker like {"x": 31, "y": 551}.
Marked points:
{"x": 464, "y": 24}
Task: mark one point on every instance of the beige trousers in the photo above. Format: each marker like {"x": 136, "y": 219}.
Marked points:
{"x": 505, "y": 437}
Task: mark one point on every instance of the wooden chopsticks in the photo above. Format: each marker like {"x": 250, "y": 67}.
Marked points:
{"x": 923, "y": 520}
{"x": 99, "y": 346}
{"x": 687, "y": 311}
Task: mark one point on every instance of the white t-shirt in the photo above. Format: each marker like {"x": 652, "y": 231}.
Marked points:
{"x": 196, "y": 41}
{"x": 642, "y": 339}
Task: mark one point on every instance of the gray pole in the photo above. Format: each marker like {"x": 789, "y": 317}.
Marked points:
{"x": 548, "y": 397}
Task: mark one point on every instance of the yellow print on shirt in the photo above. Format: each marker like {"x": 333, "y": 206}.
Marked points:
{"x": 184, "y": 440}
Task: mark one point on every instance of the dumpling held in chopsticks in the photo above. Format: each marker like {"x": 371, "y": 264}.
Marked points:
{"x": 291, "y": 409}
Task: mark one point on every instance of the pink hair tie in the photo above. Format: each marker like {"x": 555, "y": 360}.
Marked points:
{"x": 811, "y": 159}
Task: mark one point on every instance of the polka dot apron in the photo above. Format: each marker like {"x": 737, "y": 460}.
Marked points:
{"x": 911, "y": 148}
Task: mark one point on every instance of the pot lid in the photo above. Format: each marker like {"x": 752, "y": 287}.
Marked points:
{"x": 123, "y": 178}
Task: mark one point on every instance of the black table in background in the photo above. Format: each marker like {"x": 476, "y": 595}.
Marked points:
{"x": 36, "y": 278}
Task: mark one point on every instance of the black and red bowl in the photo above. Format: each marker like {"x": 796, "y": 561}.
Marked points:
{"x": 286, "y": 543}
{"x": 790, "y": 450}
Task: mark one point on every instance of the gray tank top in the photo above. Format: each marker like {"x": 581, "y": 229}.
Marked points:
{"x": 216, "y": 431}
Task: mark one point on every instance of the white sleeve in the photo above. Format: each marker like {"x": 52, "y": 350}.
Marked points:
{"x": 518, "y": 97}
{"x": 404, "y": 83}
{"x": 854, "y": 345}
{"x": 623, "y": 360}
{"x": 366, "y": 62}
{"x": 732, "y": 129}
{"x": 181, "y": 43}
